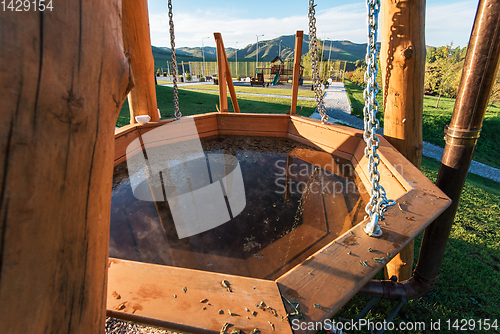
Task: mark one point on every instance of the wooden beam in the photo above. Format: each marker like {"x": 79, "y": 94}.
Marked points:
{"x": 137, "y": 45}
{"x": 299, "y": 35}
{"x": 403, "y": 67}
{"x": 60, "y": 101}
{"x": 222, "y": 59}
{"x": 222, "y": 69}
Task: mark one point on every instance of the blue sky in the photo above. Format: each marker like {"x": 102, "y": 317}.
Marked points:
{"x": 240, "y": 21}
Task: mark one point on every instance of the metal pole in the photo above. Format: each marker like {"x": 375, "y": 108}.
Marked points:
{"x": 329, "y": 54}
{"x": 279, "y": 51}
{"x": 236, "y": 59}
{"x": 257, "y": 55}
{"x": 203, "y": 67}
{"x": 480, "y": 67}
{"x": 321, "y": 63}
{"x": 478, "y": 76}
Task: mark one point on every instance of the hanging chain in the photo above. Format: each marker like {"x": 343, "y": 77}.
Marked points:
{"x": 177, "y": 112}
{"x": 313, "y": 48}
{"x": 378, "y": 201}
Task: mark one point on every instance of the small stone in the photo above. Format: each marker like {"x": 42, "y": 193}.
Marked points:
{"x": 221, "y": 312}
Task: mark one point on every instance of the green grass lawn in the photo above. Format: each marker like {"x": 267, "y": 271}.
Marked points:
{"x": 254, "y": 90}
{"x": 355, "y": 95}
{"x": 435, "y": 119}
{"x": 469, "y": 282}
{"x": 193, "y": 103}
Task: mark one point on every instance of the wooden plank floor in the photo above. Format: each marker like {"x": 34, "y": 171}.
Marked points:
{"x": 155, "y": 295}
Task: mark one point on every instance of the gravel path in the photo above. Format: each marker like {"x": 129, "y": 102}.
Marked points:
{"x": 115, "y": 326}
{"x": 339, "y": 109}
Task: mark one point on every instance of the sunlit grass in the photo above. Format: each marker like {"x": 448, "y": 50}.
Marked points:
{"x": 192, "y": 103}
{"x": 435, "y": 119}
{"x": 253, "y": 90}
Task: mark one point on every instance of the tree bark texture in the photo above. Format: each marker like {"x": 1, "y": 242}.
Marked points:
{"x": 63, "y": 79}
{"x": 402, "y": 59}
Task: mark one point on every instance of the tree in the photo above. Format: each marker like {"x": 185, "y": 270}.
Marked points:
{"x": 443, "y": 69}
{"x": 306, "y": 59}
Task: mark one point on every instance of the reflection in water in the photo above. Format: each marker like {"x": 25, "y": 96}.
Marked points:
{"x": 298, "y": 199}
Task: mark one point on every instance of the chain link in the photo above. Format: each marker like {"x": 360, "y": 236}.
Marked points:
{"x": 378, "y": 201}
{"x": 313, "y": 48}
{"x": 177, "y": 112}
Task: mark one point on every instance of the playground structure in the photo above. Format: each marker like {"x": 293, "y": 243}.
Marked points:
{"x": 61, "y": 147}
{"x": 280, "y": 71}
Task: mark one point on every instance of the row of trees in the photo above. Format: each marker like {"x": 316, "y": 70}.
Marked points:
{"x": 443, "y": 70}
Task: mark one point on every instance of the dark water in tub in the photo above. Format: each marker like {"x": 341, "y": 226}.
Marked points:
{"x": 297, "y": 199}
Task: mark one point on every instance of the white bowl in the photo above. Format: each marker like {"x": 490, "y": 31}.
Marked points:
{"x": 142, "y": 119}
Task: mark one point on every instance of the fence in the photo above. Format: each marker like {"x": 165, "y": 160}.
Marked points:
{"x": 246, "y": 68}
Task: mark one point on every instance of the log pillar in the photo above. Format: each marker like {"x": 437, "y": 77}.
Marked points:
{"x": 137, "y": 44}
{"x": 402, "y": 59}
{"x": 63, "y": 79}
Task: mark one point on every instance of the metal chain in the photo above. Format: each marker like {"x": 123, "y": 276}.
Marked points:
{"x": 378, "y": 201}
{"x": 177, "y": 112}
{"x": 313, "y": 48}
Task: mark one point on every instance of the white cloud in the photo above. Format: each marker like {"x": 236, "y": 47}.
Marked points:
{"x": 444, "y": 23}
{"x": 343, "y": 22}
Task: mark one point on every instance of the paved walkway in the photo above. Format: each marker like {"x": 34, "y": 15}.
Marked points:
{"x": 338, "y": 109}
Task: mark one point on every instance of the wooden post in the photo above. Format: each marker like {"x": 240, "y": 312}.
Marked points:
{"x": 225, "y": 76}
{"x": 403, "y": 67}
{"x": 137, "y": 45}
{"x": 222, "y": 72}
{"x": 299, "y": 35}
{"x": 63, "y": 79}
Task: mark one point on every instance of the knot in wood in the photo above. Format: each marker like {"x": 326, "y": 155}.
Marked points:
{"x": 408, "y": 52}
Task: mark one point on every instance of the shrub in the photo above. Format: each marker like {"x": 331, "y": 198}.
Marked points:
{"x": 202, "y": 79}
{"x": 238, "y": 78}
{"x": 188, "y": 77}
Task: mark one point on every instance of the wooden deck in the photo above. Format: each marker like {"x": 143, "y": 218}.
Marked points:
{"x": 329, "y": 277}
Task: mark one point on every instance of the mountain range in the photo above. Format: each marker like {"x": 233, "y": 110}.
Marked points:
{"x": 268, "y": 50}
